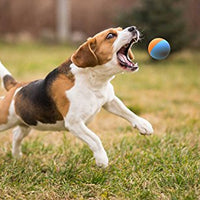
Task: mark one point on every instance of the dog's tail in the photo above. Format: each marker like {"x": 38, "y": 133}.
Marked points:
{"x": 7, "y": 80}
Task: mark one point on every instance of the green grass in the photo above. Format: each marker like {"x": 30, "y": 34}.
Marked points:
{"x": 163, "y": 166}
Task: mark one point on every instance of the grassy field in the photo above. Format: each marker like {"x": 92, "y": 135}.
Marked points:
{"x": 163, "y": 166}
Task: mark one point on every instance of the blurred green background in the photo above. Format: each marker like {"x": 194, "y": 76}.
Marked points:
{"x": 178, "y": 21}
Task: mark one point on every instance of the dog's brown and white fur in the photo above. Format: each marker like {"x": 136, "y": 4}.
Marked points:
{"x": 69, "y": 96}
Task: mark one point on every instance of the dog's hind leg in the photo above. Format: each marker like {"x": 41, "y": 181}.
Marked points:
{"x": 10, "y": 124}
{"x": 19, "y": 133}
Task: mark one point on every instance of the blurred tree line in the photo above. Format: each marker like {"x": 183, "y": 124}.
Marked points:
{"x": 178, "y": 21}
{"x": 159, "y": 18}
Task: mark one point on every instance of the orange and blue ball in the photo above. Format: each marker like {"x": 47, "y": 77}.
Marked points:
{"x": 159, "y": 48}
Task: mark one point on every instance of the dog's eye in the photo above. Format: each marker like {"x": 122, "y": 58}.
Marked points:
{"x": 110, "y": 35}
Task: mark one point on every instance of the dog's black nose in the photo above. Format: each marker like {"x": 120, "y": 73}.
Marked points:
{"x": 132, "y": 28}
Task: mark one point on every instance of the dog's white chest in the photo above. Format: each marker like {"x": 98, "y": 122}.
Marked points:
{"x": 86, "y": 99}
{"x": 97, "y": 100}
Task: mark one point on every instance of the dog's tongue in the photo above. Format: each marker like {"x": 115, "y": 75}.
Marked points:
{"x": 124, "y": 59}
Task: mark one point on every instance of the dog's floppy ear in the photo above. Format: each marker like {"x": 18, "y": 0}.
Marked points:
{"x": 85, "y": 56}
{"x": 130, "y": 54}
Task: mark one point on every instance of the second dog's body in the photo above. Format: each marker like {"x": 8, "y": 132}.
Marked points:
{"x": 73, "y": 93}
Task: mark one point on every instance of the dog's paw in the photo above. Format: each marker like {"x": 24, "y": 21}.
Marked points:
{"x": 143, "y": 126}
{"x": 17, "y": 154}
{"x": 101, "y": 159}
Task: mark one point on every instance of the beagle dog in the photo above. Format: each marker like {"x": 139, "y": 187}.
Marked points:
{"x": 70, "y": 95}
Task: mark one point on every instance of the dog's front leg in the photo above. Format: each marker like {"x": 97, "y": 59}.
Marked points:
{"x": 80, "y": 130}
{"x": 117, "y": 107}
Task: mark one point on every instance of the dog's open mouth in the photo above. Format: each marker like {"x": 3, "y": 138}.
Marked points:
{"x": 123, "y": 58}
